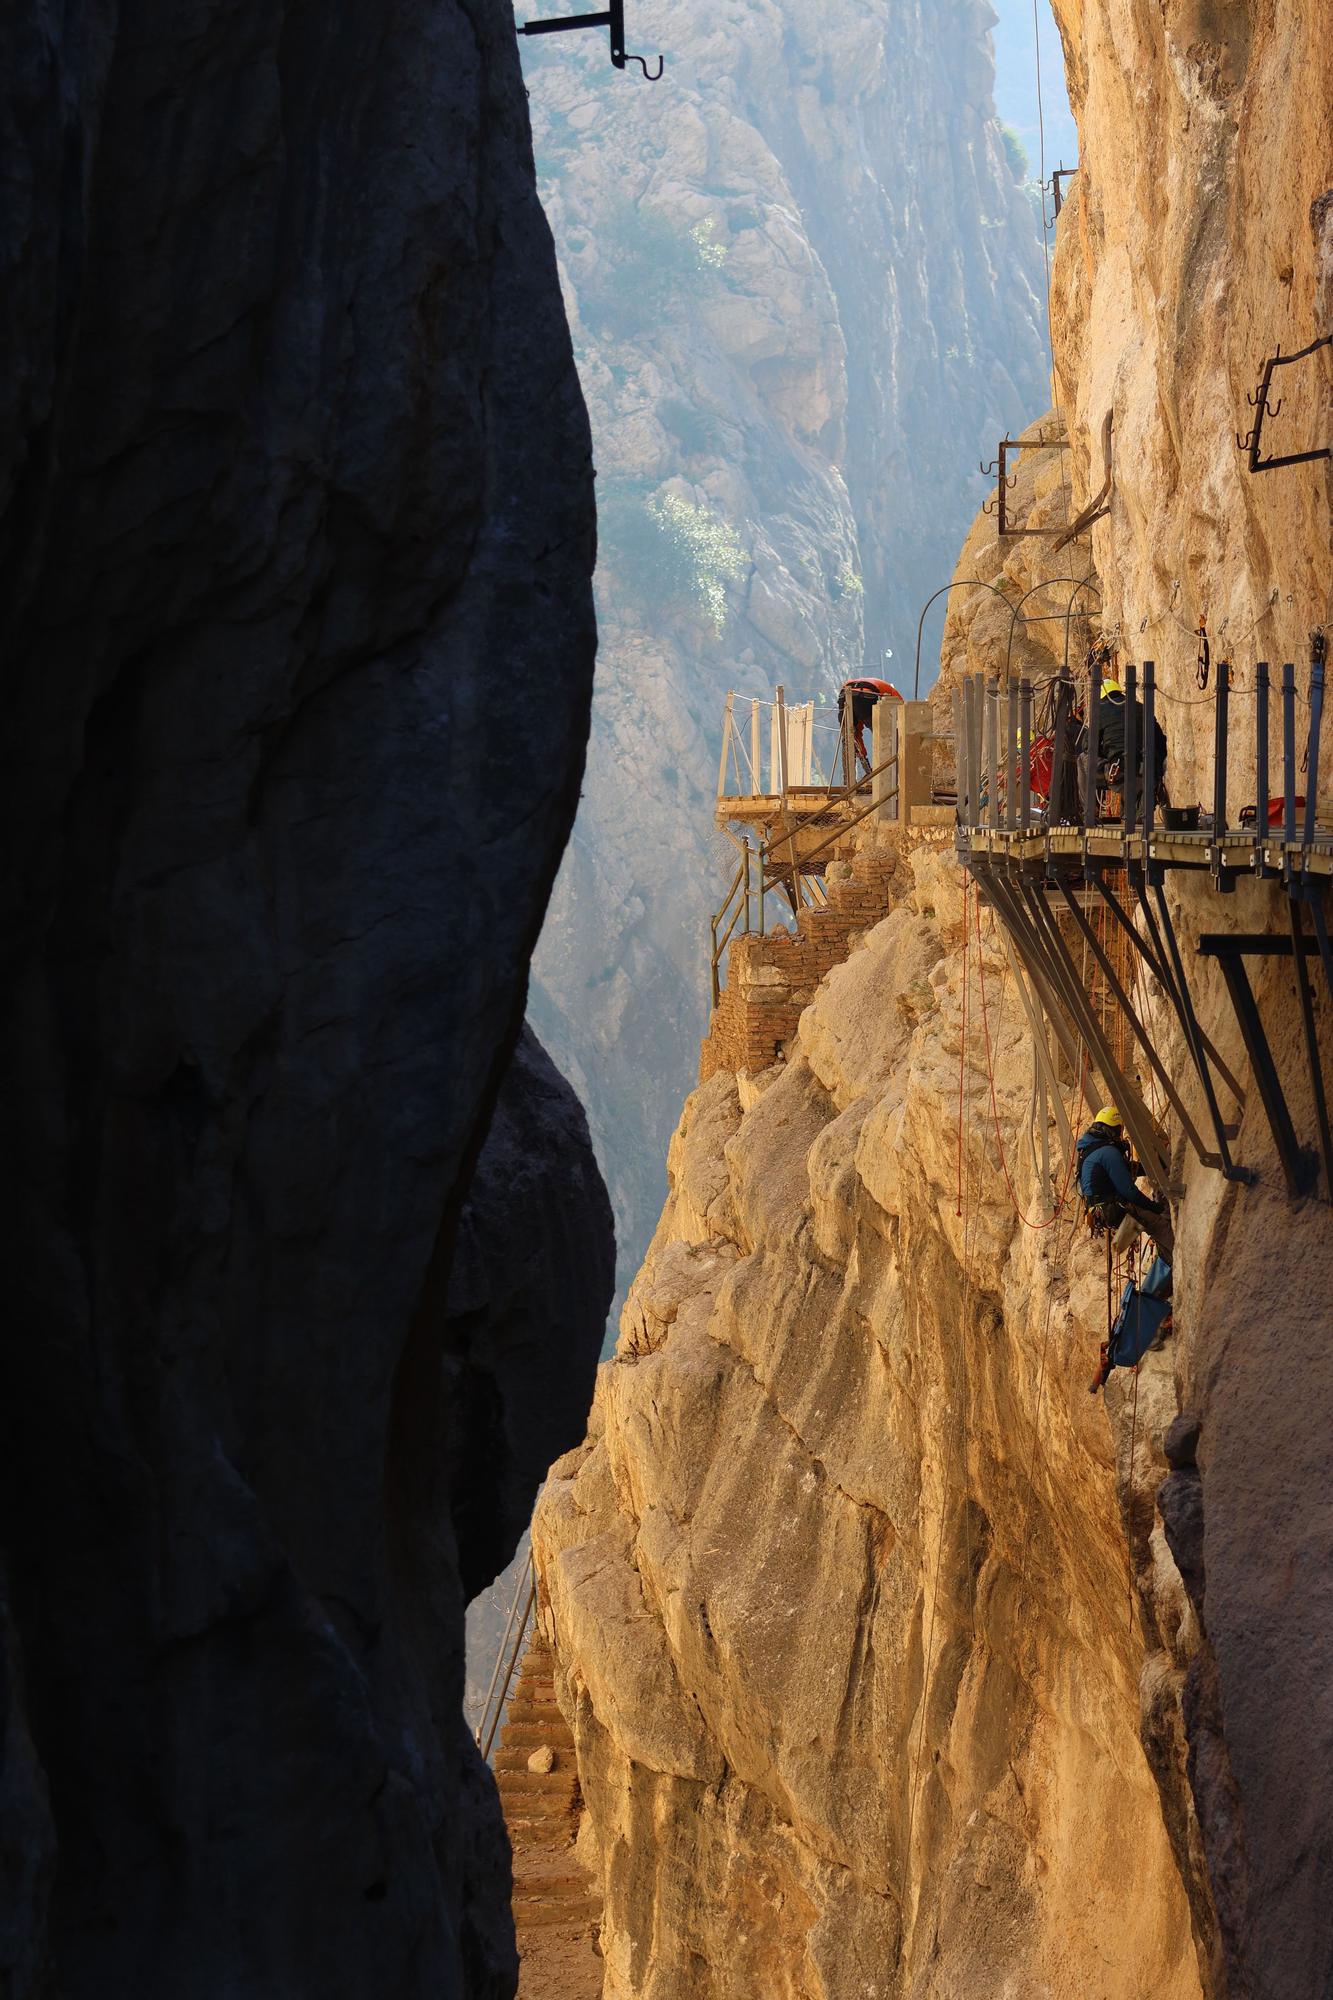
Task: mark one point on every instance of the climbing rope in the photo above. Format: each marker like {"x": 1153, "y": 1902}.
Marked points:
{"x": 1026, "y": 1221}
{"x": 1129, "y": 1494}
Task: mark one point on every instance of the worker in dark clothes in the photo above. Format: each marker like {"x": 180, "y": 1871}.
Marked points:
{"x": 1107, "y": 1181}
{"x": 1111, "y": 741}
{"x": 863, "y": 694}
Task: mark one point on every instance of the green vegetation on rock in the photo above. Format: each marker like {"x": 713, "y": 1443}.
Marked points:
{"x": 668, "y": 553}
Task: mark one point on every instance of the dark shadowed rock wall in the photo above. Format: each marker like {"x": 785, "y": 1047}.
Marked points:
{"x": 297, "y": 640}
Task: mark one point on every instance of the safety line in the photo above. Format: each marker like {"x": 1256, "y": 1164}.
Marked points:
{"x": 995, "y": 1109}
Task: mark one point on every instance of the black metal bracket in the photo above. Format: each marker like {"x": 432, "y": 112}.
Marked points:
{"x": 1060, "y": 174}
{"x": 1230, "y": 949}
{"x": 1005, "y": 483}
{"x": 998, "y": 469}
{"x": 1252, "y": 442}
{"x": 1140, "y": 1032}
{"x": 614, "y": 20}
{"x": 1026, "y": 915}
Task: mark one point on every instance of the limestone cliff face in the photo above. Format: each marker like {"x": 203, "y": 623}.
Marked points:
{"x": 278, "y": 299}
{"x": 898, "y": 1664}
{"x": 804, "y": 292}
{"x": 1200, "y": 239}
{"x": 839, "y": 1577}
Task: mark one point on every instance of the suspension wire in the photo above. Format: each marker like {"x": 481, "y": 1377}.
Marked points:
{"x": 1045, "y": 233}
{"x": 1129, "y": 1494}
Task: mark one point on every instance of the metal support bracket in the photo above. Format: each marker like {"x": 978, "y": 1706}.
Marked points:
{"x": 1060, "y": 174}
{"x": 1066, "y": 531}
{"x": 1230, "y": 949}
{"x": 1161, "y": 973}
{"x": 1141, "y": 1035}
{"x": 1252, "y": 441}
{"x": 1138, "y": 1119}
{"x": 612, "y": 19}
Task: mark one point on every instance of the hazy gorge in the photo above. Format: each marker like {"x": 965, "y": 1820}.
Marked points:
{"x": 804, "y": 284}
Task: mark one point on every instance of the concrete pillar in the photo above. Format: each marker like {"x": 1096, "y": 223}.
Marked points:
{"x": 915, "y": 759}
{"x": 885, "y": 736}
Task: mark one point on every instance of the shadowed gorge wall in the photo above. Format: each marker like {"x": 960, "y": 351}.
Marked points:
{"x": 278, "y": 300}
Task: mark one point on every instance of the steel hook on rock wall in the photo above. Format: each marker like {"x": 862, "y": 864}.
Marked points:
{"x": 613, "y": 19}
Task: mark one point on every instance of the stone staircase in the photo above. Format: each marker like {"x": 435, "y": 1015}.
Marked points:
{"x": 556, "y": 1915}
{"x": 772, "y": 978}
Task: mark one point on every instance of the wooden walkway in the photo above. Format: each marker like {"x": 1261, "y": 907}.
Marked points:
{"x": 556, "y": 1914}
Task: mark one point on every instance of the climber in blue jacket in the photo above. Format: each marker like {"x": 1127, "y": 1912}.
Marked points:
{"x": 1106, "y": 1181}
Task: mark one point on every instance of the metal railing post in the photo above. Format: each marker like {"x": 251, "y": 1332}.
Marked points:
{"x": 1151, "y": 774}
{"x": 1094, "y": 746}
{"x": 782, "y": 744}
{"x": 1312, "y": 741}
{"x": 1010, "y": 760}
{"x": 1220, "y": 708}
{"x": 1129, "y": 790}
{"x": 726, "y": 746}
{"x": 1289, "y": 753}
{"x": 992, "y": 752}
{"x": 1261, "y": 698}
{"x": 958, "y": 779}
{"x": 1024, "y": 754}
{"x": 1061, "y": 748}
{"x": 969, "y": 803}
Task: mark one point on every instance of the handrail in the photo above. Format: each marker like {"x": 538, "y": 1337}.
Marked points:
{"x": 838, "y": 831}
{"x": 842, "y": 797}
{"x": 812, "y": 739}
{"x": 740, "y": 881}
{"x": 491, "y": 1717}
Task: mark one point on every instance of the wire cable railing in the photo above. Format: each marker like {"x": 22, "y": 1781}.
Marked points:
{"x": 507, "y": 1657}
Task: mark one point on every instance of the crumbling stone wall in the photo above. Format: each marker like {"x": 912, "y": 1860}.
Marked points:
{"x": 772, "y": 977}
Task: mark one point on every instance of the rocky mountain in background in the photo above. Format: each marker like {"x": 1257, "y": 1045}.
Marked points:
{"x": 803, "y": 279}
{"x": 288, "y": 1192}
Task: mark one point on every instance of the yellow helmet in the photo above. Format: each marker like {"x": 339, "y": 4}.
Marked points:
{"x": 1108, "y": 1115}
{"x": 1112, "y": 687}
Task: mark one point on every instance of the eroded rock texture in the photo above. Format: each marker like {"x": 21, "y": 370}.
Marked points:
{"x": 1198, "y": 241}
{"x": 839, "y": 1575}
{"x": 297, "y": 637}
